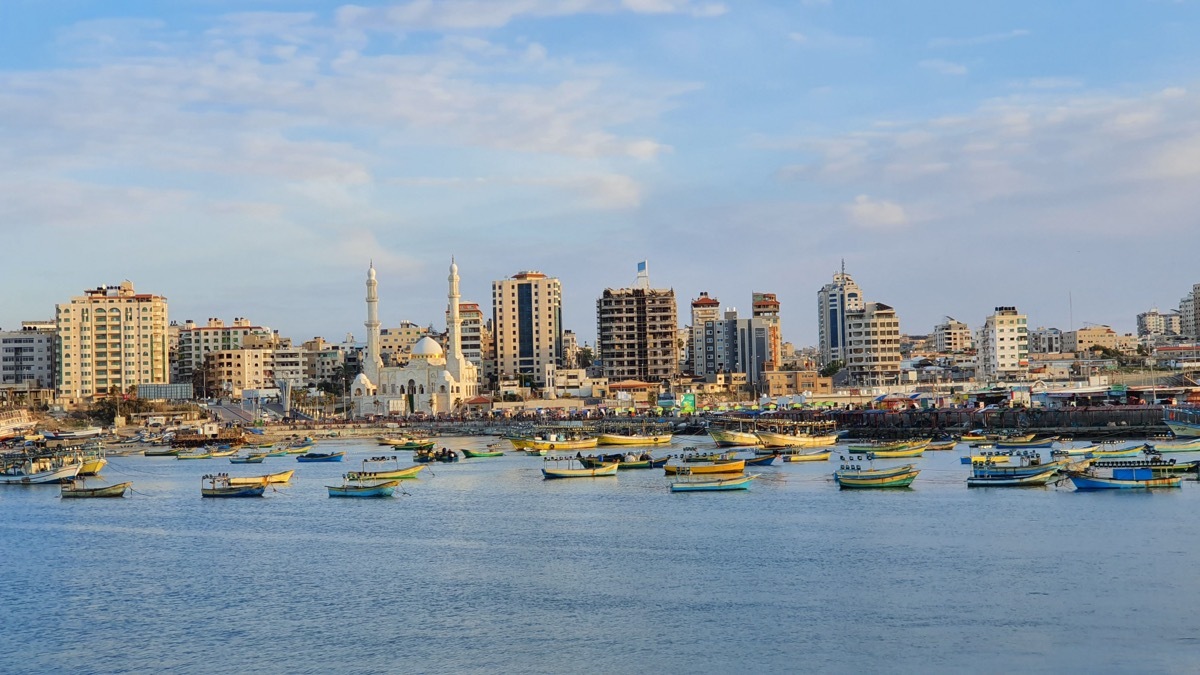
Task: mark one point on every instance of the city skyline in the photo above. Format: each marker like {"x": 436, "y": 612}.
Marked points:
{"x": 246, "y": 161}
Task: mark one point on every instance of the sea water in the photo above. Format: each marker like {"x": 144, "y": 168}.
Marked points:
{"x": 484, "y": 567}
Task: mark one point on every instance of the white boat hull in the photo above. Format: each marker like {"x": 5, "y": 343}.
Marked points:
{"x": 51, "y": 476}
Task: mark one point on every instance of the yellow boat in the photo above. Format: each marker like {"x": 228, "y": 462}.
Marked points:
{"x": 813, "y": 457}
{"x": 633, "y": 439}
{"x": 560, "y": 442}
{"x": 281, "y": 477}
{"x": 895, "y": 454}
{"x": 770, "y": 439}
{"x": 224, "y": 453}
{"x": 995, "y": 459}
{"x": 942, "y": 445}
{"x": 92, "y": 465}
{"x": 728, "y": 438}
{"x": 521, "y": 443}
{"x": 737, "y": 466}
{"x": 300, "y": 450}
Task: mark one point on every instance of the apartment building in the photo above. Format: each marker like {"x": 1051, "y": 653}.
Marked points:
{"x": 527, "y": 315}
{"x": 873, "y": 345}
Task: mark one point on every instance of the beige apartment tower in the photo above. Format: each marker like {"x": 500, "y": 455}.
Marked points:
{"x": 109, "y": 337}
{"x": 527, "y": 319}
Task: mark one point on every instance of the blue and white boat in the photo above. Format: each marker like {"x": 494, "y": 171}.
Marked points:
{"x": 705, "y": 484}
{"x": 1184, "y": 422}
{"x": 321, "y": 457}
{"x": 363, "y": 489}
{"x": 1141, "y": 478}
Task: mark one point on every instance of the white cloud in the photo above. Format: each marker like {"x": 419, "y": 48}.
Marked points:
{"x": 943, "y": 67}
{"x": 876, "y": 214}
{"x": 477, "y": 14}
{"x": 978, "y": 39}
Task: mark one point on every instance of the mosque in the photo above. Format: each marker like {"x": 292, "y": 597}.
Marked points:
{"x": 433, "y": 381}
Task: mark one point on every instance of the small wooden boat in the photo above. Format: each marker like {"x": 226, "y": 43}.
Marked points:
{"x": 602, "y": 470}
{"x": 1123, "y": 479}
{"x": 897, "y": 454}
{"x": 300, "y": 449}
{"x": 278, "y": 452}
{"x": 762, "y": 460}
{"x": 364, "y": 489}
{"x": 249, "y": 459}
{"x": 941, "y": 445}
{"x": 75, "y": 490}
{"x": 993, "y": 457}
{"x": 227, "y": 452}
{"x": 1128, "y": 451}
{"x": 482, "y": 453}
{"x": 1082, "y": 451}
{"x": 734, "y": 466}
{"x": 194, "y": 455}
{"x": 728, "y": 438}
{"x": 623, "y": 463}
{"x": 536, "y": 452}
{"x": 1030, "y": 480}
{"x": 92, "y": 464}
{"x": 376, "y": 468}
{"x": 771, "y": 440}
{"x": 163, "y": 451}
{"x": 218, "y": 485}
{"x": 712, "y": 484}
{"x": 633, "y": 439}
{"x": 1177, "y": 446}
{"x": 321, "y": 457}
{"x": 808, "y": 457}
{"x": 1160, "y": 467}
{"x": 562, "y": 442}
{"x": 853, "y": 476}
{"x": 281, "y": 477}
{"x": 443, "y": 455}
{"x": 893, "y": 446}
{"x": 1028, "y": 466}
{"x": 1032, "y": 443}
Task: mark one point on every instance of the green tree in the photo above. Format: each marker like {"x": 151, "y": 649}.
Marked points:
{"x": 832, "y": 368}
{"x": 585, "y": 357}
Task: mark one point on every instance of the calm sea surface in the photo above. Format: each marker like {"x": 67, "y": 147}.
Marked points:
{"x": 484, "y": 567}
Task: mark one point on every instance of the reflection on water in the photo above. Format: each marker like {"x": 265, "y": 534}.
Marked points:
{"x": 485, "y": 567}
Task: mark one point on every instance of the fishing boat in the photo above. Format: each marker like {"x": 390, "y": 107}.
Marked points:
{"x": 162, "y": 451}
{"x": 772, "y": 440}
{"x": 562, "y": 442}
{"x": 536, "y": 452}
{"x": 687, "y": 483}
{"x": 602, "y": 470}
{"x": 808, "y": 457}
{"x": 281, "y": 477}
{"x": 728, "y": 438}
{"x": 443, "y": 455}
{"x": 887, "y": 446}
{"x": 1160, "y": 466}
{"x": 218, "y": 485}
{"x": 321, "y": 457}
{"x": 224, "y": 452}
{"x": 363, "y": 489}
{"x": 1183, "y": 422}
{"x": 732, "y": 466}
{"x": 38, "y": 469}
{"x": 1128, "y": 451}
{"x": 248, "y": 459}
{"x": 993, "y": 457}
{"x": 902, "y": 453}
{"x": 941, "y": 445}
{"x": 300, "y": 449}
{"x": 92, "y": 460}
{"x": 1030, "y": 480}
{"x": 384, "y": 468}
{"x": 76, "y": 490}
{"x": 762, "y": 460}
{"x": 633, "y": 439}
{"x": 1141, "y": 478}
{"x": 981, "y": 435}
{"x": 482, "y": 453}
{"x": 194, "y": 455}
{"x": 1081, "y": 451}
{"x": 1177, "y": 446}
{"x": 279, "y": 452}
{"x": 691, "y": 457}
{"x": 624, "y": 462}
{"x": 1026, "y": 466}
{"x": 853, "y": 476}
{"x": 1033, "y": 443}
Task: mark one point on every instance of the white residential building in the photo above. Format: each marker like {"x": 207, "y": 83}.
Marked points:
{"x": 952, "y": 337}
{"x": 873, "y": 345}
{"x": 834, "y": 301}
{"x": 1003, "y": 345}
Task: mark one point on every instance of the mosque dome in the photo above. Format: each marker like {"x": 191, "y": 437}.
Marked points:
{"x": 427, "y": 348}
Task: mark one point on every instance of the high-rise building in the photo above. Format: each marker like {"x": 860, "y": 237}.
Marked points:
{"x": 1155, "y": 323}
{"x": 738, "y": 346}
{"x": 952, "y": 337}
{"x": 873, "y": 345}
{"x": 1003, "y": 345}
{"x": 195, "y": 341}
{"x": 527, "y": 315}
{"x": 1188, "y": 309}
{"x": 27, "y": 355}
{"x": 110, "y": 337}
{"x": 704, "y": 309}
{"x": 636, "y": 332}
{"x": 766, "y": 307}
{"x": 834, "y": 301}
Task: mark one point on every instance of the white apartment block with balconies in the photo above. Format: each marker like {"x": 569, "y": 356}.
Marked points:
{"x": 873, "y": 345}
{"x": 1003, "y": 346}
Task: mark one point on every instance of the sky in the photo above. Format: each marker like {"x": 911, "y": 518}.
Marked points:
{"x": 250, "y": 158}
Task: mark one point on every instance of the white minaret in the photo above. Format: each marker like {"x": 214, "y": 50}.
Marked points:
{"x": 373, "y": 362}
{"x": 454, "y": 352}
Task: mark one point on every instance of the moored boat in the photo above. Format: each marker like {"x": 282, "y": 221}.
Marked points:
{"x": 942, "y": 445}
{"x": 281, "y": 477}
{"x": 1033, "y": 443}
{"x": 732, "y": 466}
{"x": 248, "y": 459}
{"x": 1140, "y": 478}
{"x": 771, "y": 440}
{"x": 76, "y": 490}
{"x": 38, "y": 470}
{"x": 853, "y": 476}
{"x": 194, "y": 455}
{"x": 808, "y": 457}
{"x": 1024, "y": 480}
{"x": 728, "y": 438}
{"x": 762, "y": 460}
{"x": 687, "y": 484}
{"x": 321, "y": 457}
{"x": 1177, "y": 446}
{"x": 633, "y": 439}
{"x": 602, "y": 470}
{"x": 562, "y": 442}
{"x": 482, "y": 453}
{"x": 1127, "y": 451}
{"x": 384, "y": 468}
{"x": 363, "y": 489}
{"x": 218, "y": 485}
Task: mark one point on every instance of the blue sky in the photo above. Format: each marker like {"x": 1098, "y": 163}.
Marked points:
{"x": 249, "y": 158}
